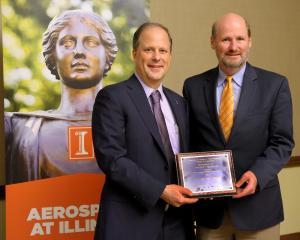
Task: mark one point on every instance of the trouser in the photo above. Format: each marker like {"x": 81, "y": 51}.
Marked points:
{"x": 228, "y": 232}
{"x": 173, "y": 227}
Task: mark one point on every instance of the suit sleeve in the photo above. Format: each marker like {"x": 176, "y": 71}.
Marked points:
{"x": 281, "y": 142}
{"x": 109, "y": 138}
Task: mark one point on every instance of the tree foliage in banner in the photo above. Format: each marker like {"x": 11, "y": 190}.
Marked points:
{"x": 28, "y": 84}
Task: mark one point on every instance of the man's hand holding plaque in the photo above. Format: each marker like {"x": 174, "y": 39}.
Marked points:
{"x": 207, "y": 174}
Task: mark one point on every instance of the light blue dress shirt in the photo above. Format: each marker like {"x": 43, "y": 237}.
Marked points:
{"x": 237, "y": 83}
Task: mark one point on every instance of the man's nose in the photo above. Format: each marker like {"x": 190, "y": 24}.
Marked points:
{"x": 156, "y": 55}
{"x": 233, "y": 45}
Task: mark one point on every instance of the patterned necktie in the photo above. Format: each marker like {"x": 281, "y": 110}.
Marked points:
{"x": 161, "y": 123}
{"x": 226, "y": 108}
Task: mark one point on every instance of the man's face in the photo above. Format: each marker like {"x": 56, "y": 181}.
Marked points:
{"x": 80, "y": 56}
{"x": 152, "y": 56}
{"x": 231, "y": 43}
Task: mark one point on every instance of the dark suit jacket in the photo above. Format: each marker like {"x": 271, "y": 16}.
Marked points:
{"x": 129, "y": 150}
{"x": 261, "y": 141}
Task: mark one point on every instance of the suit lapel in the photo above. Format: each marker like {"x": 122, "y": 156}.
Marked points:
{"x": 247, "y": 93}
{"x": 179, "y": 117}
{"x": 139, "y": 99}
{"x": 210, "y": 97}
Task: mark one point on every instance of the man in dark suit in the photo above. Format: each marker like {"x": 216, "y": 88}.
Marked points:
{"x": 258, "y": 130}
{"x": 140, "y": 198}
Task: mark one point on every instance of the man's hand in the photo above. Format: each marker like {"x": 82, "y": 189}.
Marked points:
{"x": 249, "y": 183}
{"x": 176, "y": 195}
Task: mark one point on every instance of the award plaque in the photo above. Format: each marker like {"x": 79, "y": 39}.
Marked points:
{"x": 207, "y": 174}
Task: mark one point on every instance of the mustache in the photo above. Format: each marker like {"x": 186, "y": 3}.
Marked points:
{"x": 232, "y": 52}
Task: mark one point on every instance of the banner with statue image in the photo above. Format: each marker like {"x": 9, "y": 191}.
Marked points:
{"x": 57, "y": 56}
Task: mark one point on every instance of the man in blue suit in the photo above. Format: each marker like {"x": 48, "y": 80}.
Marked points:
{"x": 260, "y": 135}
{"x": 140, "y": 198}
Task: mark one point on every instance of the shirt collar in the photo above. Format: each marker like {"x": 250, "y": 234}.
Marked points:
{"x": 237, "y": 77}
{"x": 148, "y": 90}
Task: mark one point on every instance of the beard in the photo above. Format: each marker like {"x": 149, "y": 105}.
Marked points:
{"x": 234, "y": 64}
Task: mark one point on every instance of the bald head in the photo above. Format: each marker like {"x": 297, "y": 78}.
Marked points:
{"x": 232, "y": 18}
{"x": 231, "y": 40}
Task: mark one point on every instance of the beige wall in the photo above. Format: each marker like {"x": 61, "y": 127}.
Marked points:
{"x": 276, "y": 33}
{"x": 289, "y": 180}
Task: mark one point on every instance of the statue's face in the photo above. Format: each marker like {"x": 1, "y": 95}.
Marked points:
{"x": 80, "y": 56}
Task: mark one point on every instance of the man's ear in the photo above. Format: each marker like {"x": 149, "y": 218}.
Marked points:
{"x": 212, "y": 43}
{"x": 133, "y": 54}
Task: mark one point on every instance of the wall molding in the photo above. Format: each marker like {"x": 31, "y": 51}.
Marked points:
{"x": 294, "y": 162}
{"x": 292, "y": 236}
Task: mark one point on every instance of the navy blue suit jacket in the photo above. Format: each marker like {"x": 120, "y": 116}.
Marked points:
{"x": 261, "y": 141}
{"x": 129, "y": 150}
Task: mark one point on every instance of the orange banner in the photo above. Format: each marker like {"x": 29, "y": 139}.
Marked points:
{"x": 57, "y": 208}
